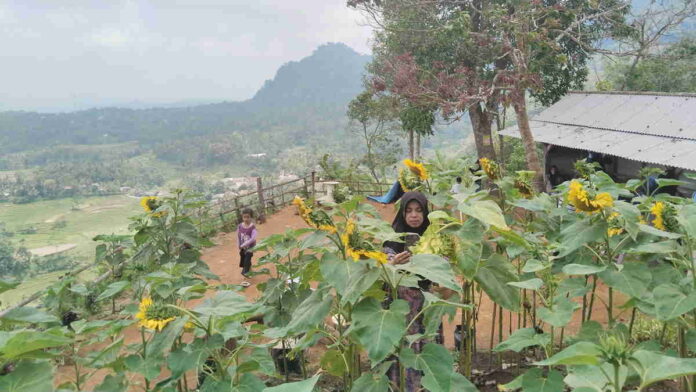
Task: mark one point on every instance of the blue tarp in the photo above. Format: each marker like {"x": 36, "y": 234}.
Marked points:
{"x": 392, "y": 196}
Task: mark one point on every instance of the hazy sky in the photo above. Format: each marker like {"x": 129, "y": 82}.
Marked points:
{"x": 70, "y": 54}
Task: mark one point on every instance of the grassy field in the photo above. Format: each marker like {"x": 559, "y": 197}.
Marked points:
{"x": 58, "y": 222}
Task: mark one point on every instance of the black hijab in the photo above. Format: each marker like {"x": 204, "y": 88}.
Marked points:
{"x": 400, "y": 226}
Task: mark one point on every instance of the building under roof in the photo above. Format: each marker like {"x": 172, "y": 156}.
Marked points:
{"x": 637, "y": 129}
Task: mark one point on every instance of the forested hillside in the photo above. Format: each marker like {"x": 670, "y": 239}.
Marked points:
{"x": 306, "y": 98}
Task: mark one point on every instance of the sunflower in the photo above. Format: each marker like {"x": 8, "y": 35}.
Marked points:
{"x": 490, "y": 168}
{"x": 316, "y": 219}
{"x": 417, "y": 169}
{"x": 153, "y": 316}
{"x": 357, "y": 248}
{"x": 657, "y": 210}
{"x": 581, "y": 200}
{"x": 150, "y": 204}
{"x": 613, "y": 221}
{"x": 523, "y": 183}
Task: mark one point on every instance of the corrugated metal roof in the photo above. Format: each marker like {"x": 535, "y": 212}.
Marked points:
{"x": 654, "y": 128}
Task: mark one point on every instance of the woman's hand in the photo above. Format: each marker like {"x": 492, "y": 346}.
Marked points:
{"x": 401, "y": 258}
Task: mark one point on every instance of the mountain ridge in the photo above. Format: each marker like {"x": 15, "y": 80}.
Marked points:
{"x": 317, "y": 86}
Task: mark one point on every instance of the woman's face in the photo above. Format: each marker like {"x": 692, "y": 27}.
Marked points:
{"x": 414, "y": 214}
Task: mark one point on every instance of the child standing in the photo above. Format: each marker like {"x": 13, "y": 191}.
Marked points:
{"x": 246, "y": 238}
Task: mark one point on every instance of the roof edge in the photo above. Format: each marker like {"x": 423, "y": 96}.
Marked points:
{"x": 653, "y": 93}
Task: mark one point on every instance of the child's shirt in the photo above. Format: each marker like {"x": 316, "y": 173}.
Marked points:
{"x": 246, "y": 236}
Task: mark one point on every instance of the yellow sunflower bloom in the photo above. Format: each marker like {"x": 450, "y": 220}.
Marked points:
{"x": 149, "y": 203}
{"x": 417, "y": 168}
{"x": 352, "y": 244}
{"x": 148, "y": 319}
{"x": 579, "y": 198}
{"x": 316, "y": 219}
{"x": 490, "y": 168}
{"x": 657, "y": 210}
{"x": 380, "y": 257}
{"x": 614, "y": 231}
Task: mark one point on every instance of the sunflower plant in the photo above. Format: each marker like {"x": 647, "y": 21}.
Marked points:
{"x": 413, "y": 175}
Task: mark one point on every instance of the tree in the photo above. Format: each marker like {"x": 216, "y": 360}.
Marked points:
{"x": 486, "y": 54}
{"x": 649, "y": 26}
{"x": 671, "y": 70}
{"x": 417, "y": 122}
{"x": 373, "y": 120}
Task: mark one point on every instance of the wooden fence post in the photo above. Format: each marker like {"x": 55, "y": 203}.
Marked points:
{"x": 237, "y": 210}
{"x": 262, "y": 202}
{"x": 314, "y": 175}
{"x": 306, "y": 187}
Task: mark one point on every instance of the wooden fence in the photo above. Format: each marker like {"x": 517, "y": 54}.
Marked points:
{"x": 267, "y": 200}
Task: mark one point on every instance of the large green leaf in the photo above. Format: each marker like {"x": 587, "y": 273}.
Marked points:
{"x": 562, "y": 312}
{"x": 150, "y": 368}
{"x": 249, "y": 383}
{"x": 494, "y": 276}
{"x": 667, "y": 246}
{"x": 194, "y": 354}
{"x": 333, "y": 362}
{"x": 163, "y": 340}
{"x": 225, "y": 303}
{"x": 657, "y": 232}
{"x": 582, "y": 269}
{"x": 540, "y": 202}
{"x": 370, "y": 382}
{"x": 578, "y": 234}
{"x": 113, "y": 289}
{"x": 523, "y": 338}
{"x": 259, "y": 360}
{"x": 379, "y": 330}
{"x": 300, "y": 386}
{"x": 112, "y": 383}
{"x": 486, "y": 211}
{"x": 459, "y": 383}
{"x": 25, "y": 342}
{"x": 632, "y": 280}
{"x": 581, "y": 353}
{"x": 671, "y": 302}
{"x": 312, "y": 311}
{"x": 653, "y": 367}
{"x": 590, "y": 378}
{"x": 436, "y": 362}
{"x": 630, "y": 214}
{"x": 350, "y": 279}
{"x": 28, "y": 376}
{"x": 433, "y": 268}
{"x": 531, "y": 284}
{"x": 687, "y": 219}
{"x": 29, "y": 315}
{"x": 534, "y": 380}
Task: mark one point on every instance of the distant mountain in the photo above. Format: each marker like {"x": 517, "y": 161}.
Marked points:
{"x": 304, "y": 98}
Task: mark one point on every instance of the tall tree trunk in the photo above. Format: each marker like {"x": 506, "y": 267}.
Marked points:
{"x": 411, "y": 153}
{"x": 418, "y": 146}
{"x": 519, "y": 102}
{"x": 481, "y": 124}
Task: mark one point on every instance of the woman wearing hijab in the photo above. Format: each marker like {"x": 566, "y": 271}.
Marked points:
{"x": 411, "y": 218}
